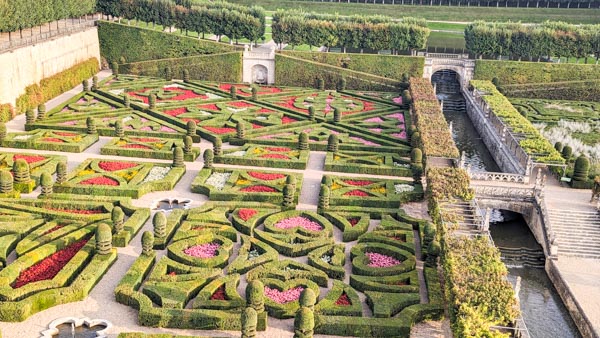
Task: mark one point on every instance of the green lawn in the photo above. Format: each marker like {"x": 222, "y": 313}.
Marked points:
{"x": 442, "y": 13}
{"x": 447, "y": 26}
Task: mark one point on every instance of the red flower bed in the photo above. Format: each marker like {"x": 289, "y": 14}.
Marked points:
{"x": 65, "y": 133}
{"x": 186, "y": 94}
{"x": 136, "y": 146}
{"x": 290, "y": 104}
{"x": 101, "y": 180}
{"x": 343, "y": 300}
{"x": 240, "y": 104}
{"x": 277, "y": 156}
{"x": 172, "y": 273}
{"x": 115, "y": 166}
{"x": 278, "y": 149}
{"x": 353, "y": 221}
{"x": 358, "y": 193}
{"x": 52, "y": 230}
{"x": 52, "y": 139}
{"x": 211, "y": 106}
{"x": 218, "y": 130}
{"x": 256, "y": 126}
{"x": 219, "y": 294}
{"x": 368, "y": 106}
{"x": 49, "y": 266}
{"x": 190, "y": 119}
{"x": 175, "y": 112}
{"x": 246, "y": 214}
{"x": 358, "y": 183}
{"x": 258, "y": 188}
{"x": 28, "y": 158}
{"x": 286, "y": 120}
{"x": 146, "y": 139}
{"x": 265, "y": 111}
{"x": 79, "y": 211}
{"x": 265, "y": 176}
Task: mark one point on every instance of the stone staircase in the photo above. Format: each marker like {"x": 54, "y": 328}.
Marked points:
{"x": 577, "y": 232}
{"x": 467, "y": 215}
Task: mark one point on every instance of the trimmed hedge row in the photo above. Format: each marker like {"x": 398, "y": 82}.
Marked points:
{"x": 161, "y": 149}
{"x": 57, "y": 84}
{"x": 203, "y": 67}
{"x": 260, "y": 156}
{"x": 145, "y": 44}
{"x": 389, "y": 66}
{"x": 52, "y": 140}
{"x": 586, "y": 90}
{"x": 293, "y": 71}
{"x": 328, "y": 306}
{"x": 350, "y": 231}
{"x": 361, "y": 162}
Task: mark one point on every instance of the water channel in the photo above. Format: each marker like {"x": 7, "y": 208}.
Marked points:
{"x": 543, "y": 311}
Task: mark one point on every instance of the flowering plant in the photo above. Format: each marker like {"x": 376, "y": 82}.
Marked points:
{"x": 265, "y": 176}
{"x": 246, "y": 214}
{"x": 298, "y": 221}
{"x": 258, "y": 188}
{"x": 282, "y": 297}
{"x": 115, "y": 166}
{"x": 377, "y": 260}
{"x": 207, "y": 250}
{"x": 100, "y": 180}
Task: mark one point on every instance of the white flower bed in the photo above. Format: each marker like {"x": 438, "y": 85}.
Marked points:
{"x": 156, "y": 173}
{"x": 127, "y": 119}
{"x": 239, "y": 153}
{"x": 118, "y": 92}
{"x": 262, "y": 118}
{"x": 400, "y": 188}
{"x": 401, "y": 165}
{"x": 218, "y": 180}
{"x": 212, "y": 96}
{"x": 22, "y": 137}
{"x": 562, "y": 132}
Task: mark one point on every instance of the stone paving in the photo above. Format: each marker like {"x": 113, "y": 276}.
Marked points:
{"x": 101, "y": 302}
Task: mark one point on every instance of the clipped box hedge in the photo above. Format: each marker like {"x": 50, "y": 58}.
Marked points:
{"x": 157, "y": 148}
{"x": 52, "y": 140}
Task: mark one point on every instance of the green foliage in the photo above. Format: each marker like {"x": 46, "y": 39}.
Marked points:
{"x": 114, "y": 66}
{"x": 160, "y": 225}
{"x": 240, "y": 130}
{"x": 333, "y": 143}
{"x": 249, "y": 321}
{"x": 119, "y": 131}
{"x": 118, "y": 219}
{"x": 187, "y": 144}
{"x": 342, "y": 84}
{"x": 147, "y": 243}
{"x": 559, "y": 147}
{"x": 255, "y": 296}
{"x": 406, "y": 97}
{"x": 29, "y": 116}
{"x": 320, "y": 83}
{"x": 6, "y": 182}
{"x": 218, "y": 147}
{"x": 7, "y": 112}
{"x": 91, "y": 125}
{"x": 448, "y": 184}
{"x": 3, "y": 131}
{"x": 566, "y": 152}
{"x": 186, "y": 75}
{"x": 388, "y": 66}
{"x": 17, "y": 15}
{"x": 209, "y": 158}
{"x": 46, "y": 183}
{"x": 416, "y": 156}
{"x": 433, "y": 251}
{"x": 168, "y": 74}
{"x": 303, "y": 141}
{"x": 308, "y": 299}
{"x": 304, "y": 323}
{"x": 55, "y": 85}
{"x": 582, "y": 169}
{"x": 144, "y": 44}
{"x": 41, "y": 111}
{"x": 94, "y": 83}
{"x": 178, "y": 157}
{"x": 21, "y": 171}
{"x": 152, "y": 101}
{"x": 337, "y": 115}
{"x": 288, "y": 195}
{"x": 233, "y": 92}
{"x": 86, "y": 85}
{"x": 324, "y": 197}
{"x": 311, "y": 113}
{"x": 103, "y": 239}
{"x": 61, "y": 172}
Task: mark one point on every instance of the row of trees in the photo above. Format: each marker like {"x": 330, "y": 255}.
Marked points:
{"x": 376, "y": 32}
{"x": 520, "y": 41}
{"x": 485, "y": 3}
{"x": 219, "y": 18}
{"x": 16, "y": 15}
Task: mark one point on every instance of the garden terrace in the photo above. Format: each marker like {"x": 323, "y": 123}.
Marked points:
{"x": 38, "y": 164}
{"x": 148, "y": 147}
{"x": 53, "y": 140}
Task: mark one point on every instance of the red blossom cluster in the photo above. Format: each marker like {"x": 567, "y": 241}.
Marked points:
{"x": 276, "y": 156}
{"x": 52, "y": 139}
{"x": 101, "y": 180}
{"x": 175, "y": 112}
{"x": 49, "y": 266}
{"x": 240, "y": 104}
{"x": 210, "y": 106}
{"x": 146, "y": 139}
{"x": 186, "y": 94}
{"x": 65, "y": 133}
{"x": 135, "y": 146}
{"x": 358, "y": 193}
{"x": 219, "y": 294}
{"x": 258, "y": 188}
{"x": 256, "y": 126}
{"x": 266, "y": 176}
{"x": 353, "y": 220}
{"x": 358, "y": 183}
{"x": 343, "y": 300}
{"x": 246, "y": 214}
{"x": 52, "y": 230}
{"x": 115, "y": 166}
{"x": 265, "y": 111}
{"x": 220, "y": 130}
{"x": 286, "y": 120}
{"x": 28, "y": 158}
{"x": 278, "y": 149}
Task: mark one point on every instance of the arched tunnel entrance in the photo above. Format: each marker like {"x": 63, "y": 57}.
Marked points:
{"x": 541, "y": 306}
{"x": 466, "y": 137}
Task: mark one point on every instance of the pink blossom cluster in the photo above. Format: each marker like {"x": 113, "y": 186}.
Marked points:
{"x": 207, "y": 250}
{"x": 282, "y": 297}
{"x": 377, "y": 260}
{"x": 374, "y": 120}
{"x": 398, "y": 116}
{"x": 365, "y": 142}
{"x": 299, "y": 221}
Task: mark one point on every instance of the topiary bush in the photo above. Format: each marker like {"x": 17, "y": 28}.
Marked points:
{"x": 119, "y": 131}
{"x": 191, "y": 128}
{"x": 233, "y": 92}
{"x": 152, "y": 101}
{"x": 415, "y": 140}
{"x": 94, "y": 83}
{"x": 333, "y": 143}
{"x": 126, "y": 101}
{"x": 6, "y": 182}
{"x": 178, "y": 157}
{"x": 218, "y": 147}
{"x": 118, "y": 219}
{"x": 249, "y": 322}
{"x": 159, "y": 221}
{"x": 86, "y": 85}
{"x": 416, "y": 156}
{"x": 255, "y": 295}
{"x": 558, "y": 146}
{"x": 582, "y": 169}
{"x": 91, "y": 125}
{"x": 303, "y": 141}
{"x": 342, "y": 84}
{"x": 311, "y": 113}
{"x": 147, "y": 243}
{"x": 29, "y": 116}
{"x": 46, "y": 183}
{"x": 254, "y": 94}
{"x": 240, "y": 130}
{"x": 103, "y": 239}
{"x": 3, "y": 132}
{"x": 320, "y": 84}
{"x": 567, "y": 152}
{"x": 186, "y": 75}
{"x": 288, "y": 196}
{"x": 308, "y": 299}
{"x": 291, "y": 180}
{"x": 61, "y": 172}
{"x": 337, "y": 115}
{"x": 304, "y": 323}
{"x": 433, "y": 251}
{"x": 114, "y": 66}
{"x": 324, "y": 197}
{"x": 21, "y": 171}
{"x": 187, "y": 144}
{"x": 406, "y": 97}
{"x": 168, "y": 74}
{"x": 209, "y": 158}
{"x": 41, "y": 112}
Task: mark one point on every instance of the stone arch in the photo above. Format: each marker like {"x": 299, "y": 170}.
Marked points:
{"x": 454, "y": 69}
{"x": 260, "y": 74}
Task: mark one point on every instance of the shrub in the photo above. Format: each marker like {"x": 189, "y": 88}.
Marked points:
{"x": 41, "y": 111}
{"x": 233, "y": 92}
{"x": 168, "y": 74}
{"x": 126, "y": 101}
{"x": 152, "y": 101}
{"x": 433, "y": 251}
{"x": 46, "y": 183}
{"x": 6, "y": 182}
{"x": 311, "y": 113}
{"x": 103, "y": 239}
{"x": 406, "y": 97}
{"x": 324, "y": 197}
{"x": 342, "y": 84}
{"x": 337, "y": 115}
{"x": 118, "y": 218}
{"x": 61, "y": 172}
{"x": 29, "y": 116}
{"x": 582, "y": 169}
{"x": 308, "y": 299}
{"x": 320, "y": 83}
{"x": 566, "y": 152}
{"x": 416, "y": 156}
{"x": 86, "y": 85}
{"x": 191, "y": 128}
{"x": 558, "y": 146}
{"x": 254, "y": 94}
{"x": 3, "y": 132}
{"x": 119, "y": 131}
{"x": 186, "y": 75}
{"x": 240, "y": 130}
{"x": 304, "y": 323}
{"x": 255, "y": 295}
{"x": 147, "y": 243}
{"x": 178, "y": 157}
{"x": 187, "y": 144}
{"x": 288, "y": 195}
{"x": 94, "y": 83}
{"x": 303, "y": 141}
{"x": 114, "y": 66}
{"x": 209, "y": 158}
{"x": 160, "y": 225}
{"x": 21, "y": 171}
{"x": 91, "y": 125}
{"x": 218, "y": 147}
{"x": 249, "y": 322}
{"x": 333, "y": 143}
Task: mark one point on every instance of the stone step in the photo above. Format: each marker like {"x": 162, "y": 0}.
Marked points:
{"x": 579, "y": 253}
{"x": 588, "y": 238}
{"x": 576, "y": 228}
{"x": 595, "y": 220}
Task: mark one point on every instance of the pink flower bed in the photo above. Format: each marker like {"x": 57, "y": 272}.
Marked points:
{"x": 298, "y": 221}
{"x": 246, "y": 214}
{"x": 207, "y": 250}
{"x": 397, "y": 116}
{"x": 135, "y": 146}
{"x": 397, "y": 100}
{"x": 374, "y": 120}
{"x": 282, "y": 297}
{"x": 102, "y": 180}
{"x": 265, "y": 111}
{"x": 275, "y": 156}
{"x": 220, "y": 130}
{"x": 278, "y": 149}
{"x": 376, "y": 130}
{"x": 115, "y": 166}
{"x": 164, "y": 128}
{"x": 175, "y": 112}
{"x": 258, "y": 188}
{"x": 358, "y": 183}
{"x": 401, "y": 135}
{"x": 358, "y": 193}
{"x": 365, "y": 142}
{"x": 240, "y": 104}
{"x": 286, "y": 120}
{"x": 146, "y": 139}
{"x": 28, "y": 158}
{"x": 265, "y": 176}
{"x": 377, "y": 260}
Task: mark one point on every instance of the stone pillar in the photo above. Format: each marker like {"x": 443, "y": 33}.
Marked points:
{"x": 485, "y": 227}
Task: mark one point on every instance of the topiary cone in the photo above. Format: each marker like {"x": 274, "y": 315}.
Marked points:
{"x": 61, "y": 172}
{"x": 91, "y": 125}
{"x": 103, "y": 239}
{"x": 303, "y": 141}
{"x": 288, "y": 196}
{"x": 147, "y": 243}
{"x": 160, "y": 225}
{"x": 241, "y": 130}
{"x": 324, "y": 197}
{"x": 308, "y": 299}
{"x": 6, "y": 182}
{"x": 46, "y": 183}
{"x": 119, "y": 130}
{"x": 178, "y": 157}
{"x": 218, "y": 147}
{"x": 255, "y": 295}
{"x": 29, "y": 116}
{"x": 337, "y": 115}
{"x": 304, "y": 323}
{"x": 333, "y": 143}
{"x": 118, "y": 219}
{"x": 187, "y": 144}
{"x": 21, "y": 171}
{"x": 249, "y": 320}
{"x": 191, "y": 128}
{"x": 209, "y": 158}
{"x": 582, "y": 169}
{"x": 416, "y": 156}
{"x": 41, "y": 112}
